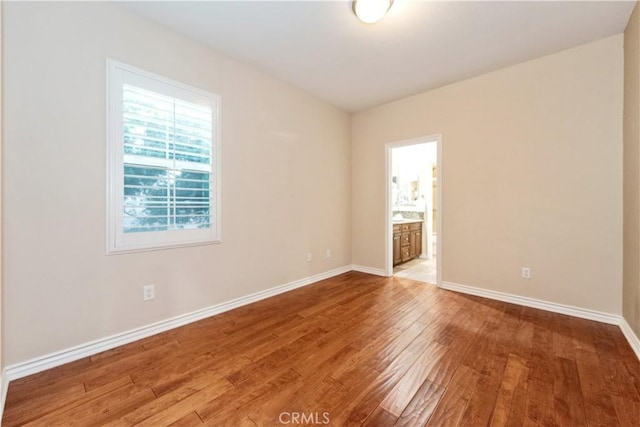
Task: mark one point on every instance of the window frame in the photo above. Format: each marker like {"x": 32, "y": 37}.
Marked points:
{"x": 118, "y": 241}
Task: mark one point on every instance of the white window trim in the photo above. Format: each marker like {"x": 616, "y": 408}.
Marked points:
{"x": 115, "y": 185}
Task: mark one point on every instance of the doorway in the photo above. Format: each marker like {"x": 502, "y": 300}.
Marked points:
{"x": 413, "y": 209}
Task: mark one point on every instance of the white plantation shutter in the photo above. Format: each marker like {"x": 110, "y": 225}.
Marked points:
{"x": 164, "y": 162}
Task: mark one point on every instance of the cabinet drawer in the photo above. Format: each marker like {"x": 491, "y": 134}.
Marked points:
{"x": 404, "y": 227}
{"x": 406, "y": 255}
{"x": 415, "y": 226}
{"x": 405, "y": 239}
{"x": 396, "y": 228}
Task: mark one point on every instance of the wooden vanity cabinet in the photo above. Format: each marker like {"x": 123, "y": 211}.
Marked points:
{"x": 407, "y": 241}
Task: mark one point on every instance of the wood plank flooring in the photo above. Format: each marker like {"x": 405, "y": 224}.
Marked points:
{"x": 348, "y": 351}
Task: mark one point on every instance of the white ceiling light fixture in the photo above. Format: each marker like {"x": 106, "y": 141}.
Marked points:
{"x": 371, "y": 11}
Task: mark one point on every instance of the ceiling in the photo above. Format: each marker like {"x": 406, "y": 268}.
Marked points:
{"x": 321, "y": 47}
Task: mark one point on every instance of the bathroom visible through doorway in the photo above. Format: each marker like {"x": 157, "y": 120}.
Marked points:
{"x": 413, "y": 205}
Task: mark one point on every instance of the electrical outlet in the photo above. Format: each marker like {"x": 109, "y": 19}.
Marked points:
{"x": 328, "y": 253}
{"x": 148, "y": 292}
{"x": 526, "y": 273}
{"x": 309, "y": 257}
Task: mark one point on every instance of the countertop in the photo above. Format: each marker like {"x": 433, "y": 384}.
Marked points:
{"x": 405, "y": 221}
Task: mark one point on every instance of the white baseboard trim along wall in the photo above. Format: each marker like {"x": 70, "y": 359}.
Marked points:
{"x": 58, "y": 358}
{"x": 369, "y": 270}
{"x": 631, "y": 337}
{"x": 4, "y": 387}
{"x": 534, "y": 303}
{"x": 583, "y": 313}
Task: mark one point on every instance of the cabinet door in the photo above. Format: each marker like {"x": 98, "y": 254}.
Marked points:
{"x": 418, "y": 242}
{"x": 397, "y": 256}
{"x": 412, "y": 244}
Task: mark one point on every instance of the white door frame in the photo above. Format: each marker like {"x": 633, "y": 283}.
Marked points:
{"x": 388, "y": 205}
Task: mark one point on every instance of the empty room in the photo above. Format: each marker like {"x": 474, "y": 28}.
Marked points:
{"x": 344, "y": 213}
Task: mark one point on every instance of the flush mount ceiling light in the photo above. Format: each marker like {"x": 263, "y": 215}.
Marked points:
{"x": 371, "y": 11}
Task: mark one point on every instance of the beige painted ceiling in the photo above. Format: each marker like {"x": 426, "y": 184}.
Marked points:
{"x": 321, "y": 47}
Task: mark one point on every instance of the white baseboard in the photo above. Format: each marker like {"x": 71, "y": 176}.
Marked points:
{"x": 58, "y": 358}
{"x": 4, "y": 387}
{"x": 369, "y": 270}
{"x": 569, "y": 310}
{"x": 631, "y": 337}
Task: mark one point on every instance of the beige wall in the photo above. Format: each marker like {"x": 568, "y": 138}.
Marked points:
{"x": 286, "y": 181}
{"x": 631, "y": 288}
{"x": 532, "y": 176}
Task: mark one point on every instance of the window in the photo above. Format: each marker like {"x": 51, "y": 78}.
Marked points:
{"x": 163, "y": 162}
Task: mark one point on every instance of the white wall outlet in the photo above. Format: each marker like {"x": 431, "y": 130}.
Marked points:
{"x": 526, "y": 273}
{"x": 309, "y": 257}
{"x": 328, "y": 253}
{"x": 148, "y": 292}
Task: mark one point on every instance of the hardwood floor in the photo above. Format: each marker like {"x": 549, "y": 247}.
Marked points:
{"x": 352, "y": 350}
